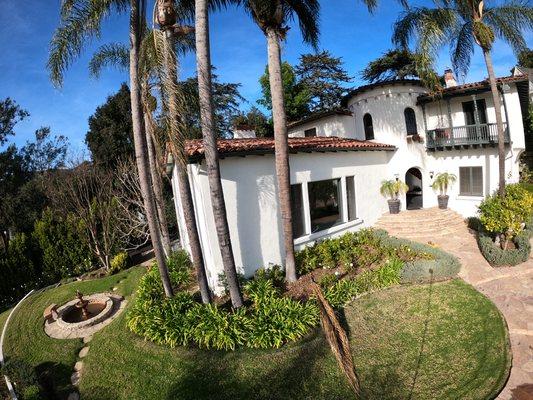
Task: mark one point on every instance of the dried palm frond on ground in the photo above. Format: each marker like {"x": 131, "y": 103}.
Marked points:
{"x": 337, "y": 338}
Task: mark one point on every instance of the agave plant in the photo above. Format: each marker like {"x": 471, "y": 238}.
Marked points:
{"x": 443, "y": 181}
{"x": 393, "y": 188}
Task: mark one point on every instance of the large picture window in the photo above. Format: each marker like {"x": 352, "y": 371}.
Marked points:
{"x": 297, "y": 210}
{"x": 471, "y": 181}
{"x": 324, "y": 204}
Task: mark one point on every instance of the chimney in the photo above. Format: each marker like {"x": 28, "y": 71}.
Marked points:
{"x": 449, "y": 78}
{"x": 243, "y": 132}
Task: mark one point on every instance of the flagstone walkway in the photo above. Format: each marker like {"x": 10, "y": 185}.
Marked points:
{"x": 511, "y": 289}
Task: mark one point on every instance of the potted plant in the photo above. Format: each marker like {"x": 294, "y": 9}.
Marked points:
{"x": 441, "y": 183}
{"x": 393, "y": 189}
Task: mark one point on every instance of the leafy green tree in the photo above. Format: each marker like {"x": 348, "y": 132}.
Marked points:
{"x": 525, "y": 58}
{"x": 296, "y": 96}
{"x": 401, "y": 64}
{"x": 110, "y": 135}
{"x": 324, "y": 78}
{"x": 226, "y": 98}
{"x": 255, "y": 119}
{"x": 463, "y": 24}
{"x": 10, "y": 115}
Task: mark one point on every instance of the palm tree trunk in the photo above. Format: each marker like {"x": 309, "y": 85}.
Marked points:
{"x": 158, "y": 189}
{"x": 139, "y": 139}
{"x": 499, "y": 122}
{"x": 281, "y": 150}
{"x": 187, "y": 205}
{"x": 203, "y": 61}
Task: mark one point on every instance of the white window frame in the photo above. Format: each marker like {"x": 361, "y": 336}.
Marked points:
{"x": 343, "y": 209}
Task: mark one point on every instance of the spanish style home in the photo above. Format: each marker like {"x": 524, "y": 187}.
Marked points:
{"x": 387, "y": 130}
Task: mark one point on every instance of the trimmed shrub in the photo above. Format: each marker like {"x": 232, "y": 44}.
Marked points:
{"x": 506, "y": 216}
{"x": 120, "y": 262}
{"x": 497, "y": 257}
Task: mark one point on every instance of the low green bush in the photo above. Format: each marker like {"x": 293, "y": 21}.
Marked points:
{"x": 119, "y": 262}
{"x": 505, "y": 217}
{"x": 270, "y": 321}
{"x": 497, "y": 257}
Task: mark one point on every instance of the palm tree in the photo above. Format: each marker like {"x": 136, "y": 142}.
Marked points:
{"x": 176, "y": 132}
{"x": 462, "y": 24}
{"x": 81, "y": 21}
{"x": 272, "y": 17}
{"x": 203, "y": 63}
{"x": 117, "y": 55}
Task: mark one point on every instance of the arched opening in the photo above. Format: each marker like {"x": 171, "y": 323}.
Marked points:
{"x": 414, "y": 196}
{"x": 369, "y": 127}
{"x": 410, "y": 121}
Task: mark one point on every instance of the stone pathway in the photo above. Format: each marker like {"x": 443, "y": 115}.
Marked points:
{"x": 511, "y": 289}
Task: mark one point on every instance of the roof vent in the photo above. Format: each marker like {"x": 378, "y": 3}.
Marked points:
{"x": 449, "y": 78}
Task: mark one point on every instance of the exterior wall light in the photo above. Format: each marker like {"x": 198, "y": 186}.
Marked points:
{"x": 397, "y": 176}
{"x": 431, "y": 173}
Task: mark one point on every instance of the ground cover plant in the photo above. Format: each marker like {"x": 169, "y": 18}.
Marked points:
{"x": 275, "y": 314}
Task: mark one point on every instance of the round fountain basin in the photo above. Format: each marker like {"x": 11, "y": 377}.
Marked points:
{"x": 71, "y": 317}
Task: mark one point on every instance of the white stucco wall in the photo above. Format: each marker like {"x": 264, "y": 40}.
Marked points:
{"x": 250, "y": 188}
{"x": 334, "y": 125}
{"x": 251, "y": 202}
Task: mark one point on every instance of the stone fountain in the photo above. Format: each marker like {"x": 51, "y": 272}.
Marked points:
{"x": 82, "y": 316}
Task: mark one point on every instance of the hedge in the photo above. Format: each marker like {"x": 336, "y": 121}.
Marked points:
{"x": 444, "y": 266}
{"x": 498, "y": 257}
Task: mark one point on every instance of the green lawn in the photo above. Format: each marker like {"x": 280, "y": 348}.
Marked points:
{"x": 442, "y": 341}
{"x": 528, "y": 187}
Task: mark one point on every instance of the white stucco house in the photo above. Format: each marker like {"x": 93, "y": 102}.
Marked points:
{"x": 387, "y": 130}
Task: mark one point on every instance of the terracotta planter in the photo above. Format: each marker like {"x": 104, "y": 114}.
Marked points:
{"x": 394, "y": 206}
{"x": 443, "y": 201}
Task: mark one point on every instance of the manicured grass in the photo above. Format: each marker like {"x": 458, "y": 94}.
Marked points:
{"x": 441, "y": 341}
{"x": 25, "y": 338}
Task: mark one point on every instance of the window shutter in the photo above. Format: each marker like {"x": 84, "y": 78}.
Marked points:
{"x": 477, "y": 181}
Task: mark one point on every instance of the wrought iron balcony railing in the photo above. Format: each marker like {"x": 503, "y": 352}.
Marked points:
{"x": 469, "y": 135}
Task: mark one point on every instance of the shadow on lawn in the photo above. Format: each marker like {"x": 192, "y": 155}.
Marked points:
{"x": 271, "y": 375}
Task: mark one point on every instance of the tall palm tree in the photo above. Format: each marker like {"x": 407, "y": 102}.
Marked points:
{"x": 462, "y": 24}
{"x": 207, "y": 119}
{"x": 117, "y": 55}
{"x": 272, "y": 17}
{"x": 176, "y": 129}
{"x": 81, "y": 21}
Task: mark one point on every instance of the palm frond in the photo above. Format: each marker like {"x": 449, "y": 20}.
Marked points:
{"x": 109, "y": 55}
{"x": 308, "y": 13}
{"x": 78, "y": 26}
{"x": 508, "y": 22}
{"x": 462, "y": 48}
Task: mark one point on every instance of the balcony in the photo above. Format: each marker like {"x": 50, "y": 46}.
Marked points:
{"x": 464, "y": 136}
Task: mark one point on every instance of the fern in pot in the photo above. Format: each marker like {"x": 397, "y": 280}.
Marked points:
{"x": 442, "y": 182}
{"x": 392, "y": 189}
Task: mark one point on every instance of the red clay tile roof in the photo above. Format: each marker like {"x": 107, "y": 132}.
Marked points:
{"x": 467, "y": 87}
{"x": 243, "y": 147}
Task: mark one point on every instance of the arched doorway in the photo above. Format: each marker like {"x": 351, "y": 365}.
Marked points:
{"x": 414, "y": 196}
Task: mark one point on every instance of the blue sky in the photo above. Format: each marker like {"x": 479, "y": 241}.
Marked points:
{"x": 238, "y": 52}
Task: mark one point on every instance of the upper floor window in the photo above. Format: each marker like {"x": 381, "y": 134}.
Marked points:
{"x": 469, "y": 110}
{"x": 410, "y": 121}
{"x": 310, "y": 132}
{"x": 369, "y": 127}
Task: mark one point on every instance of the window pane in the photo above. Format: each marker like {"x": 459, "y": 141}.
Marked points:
{"x": 369, "y": 127}
{"x": 350, "y": 197}
{"x": 410, "y": 121}
{"x": 298, "y": 225}
{"x": 464, "y": 181}
{"x": 310, "y": 132}
{"x": 477, "y": 181}
{"x": 324, "y": 204}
